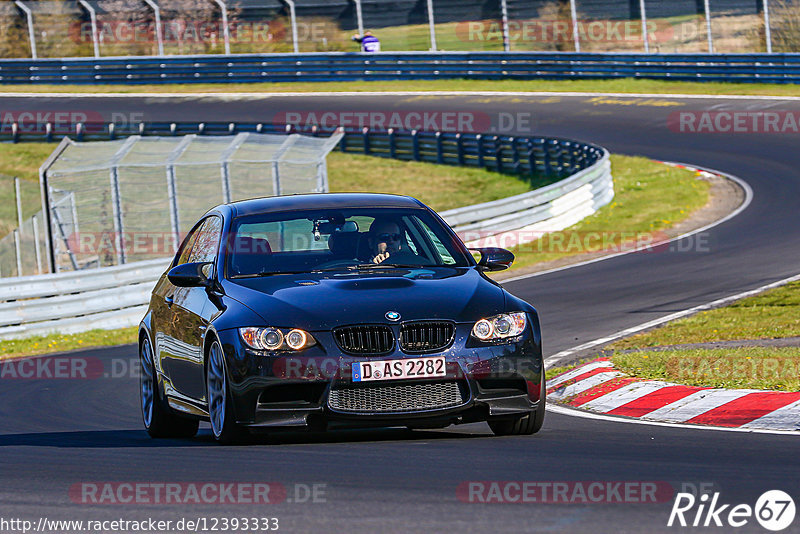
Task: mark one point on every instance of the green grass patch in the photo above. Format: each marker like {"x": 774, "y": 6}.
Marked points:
{"x": 624, "y": 85}
{"x": 739, "y": 368}
{"x": 773, "y": 314}
{"x": 650, "y": 197}
{"x": 12, "y": 348}
{"x": 441, "y": 187}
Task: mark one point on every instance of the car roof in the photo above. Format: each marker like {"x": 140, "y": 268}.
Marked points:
{"x": 322, "y": 201}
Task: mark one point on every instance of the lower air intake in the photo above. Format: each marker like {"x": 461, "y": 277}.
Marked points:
{"x": 400, "y": 398}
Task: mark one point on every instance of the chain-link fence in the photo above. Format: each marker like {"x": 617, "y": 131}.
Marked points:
{"x": 20, "y": 198}
{"x": 71, "y": 28}
{"x": 115, "y": 202}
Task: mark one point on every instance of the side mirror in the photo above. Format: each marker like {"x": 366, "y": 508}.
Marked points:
{"x": 190, "y": 274}
{"x": 494, "y": 259}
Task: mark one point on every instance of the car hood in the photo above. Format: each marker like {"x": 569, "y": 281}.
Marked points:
{"x": 320, "y": 301}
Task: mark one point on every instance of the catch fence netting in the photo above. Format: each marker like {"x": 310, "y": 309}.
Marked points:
{"x": 126, "y": 200}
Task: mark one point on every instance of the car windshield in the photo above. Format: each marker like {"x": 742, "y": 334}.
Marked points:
{"x": 340, "y": 239}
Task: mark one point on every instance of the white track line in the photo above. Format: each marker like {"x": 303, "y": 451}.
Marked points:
{"x": 572, "y": 412}
{"x": 327, "y": 94}
{"x": 555, "y": 358}
{"x": 624, "y": 395}
{"x": 748, "y": 198}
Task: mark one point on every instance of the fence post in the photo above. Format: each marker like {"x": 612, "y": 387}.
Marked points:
{"x": 31, "y": 36}
{"x": 707, "y": 9}
{"x": 17, "y": 252}
{"x": 415, "y": 144}
{"x": 44, "y": 192}
{"x": 226, "y": 35}
{"x": 293, "y": 16}
{"x": 439, "y": 148}
{"x": 159, "y": 33}
{"x": 576, "y": 38}
{"x": 392, "y": 143}
{"x": 504, "y": 22}
{"x": 498, "y": 154}
{"x": 172, "y": 190}
{"x": 460, "y": 148}
{"x": 514, "y": 154}
{"x": 365, "y": 136}
{"x": 19, "y": 202}
{"x": 645, "y": 34}
{"x": 93, "y": 18}
{"x": 116, "y": 201}
{"x": 768, "y": 30}
{"x": 226, "y": 157}
{"x": 432, "y": 25}
{"x": 359, "y": 17}
{"x": 479, "y": 142}
{"x": 35, "y": 223}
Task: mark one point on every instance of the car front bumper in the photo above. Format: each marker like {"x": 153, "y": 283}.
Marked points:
{"x": 306, "y": 389}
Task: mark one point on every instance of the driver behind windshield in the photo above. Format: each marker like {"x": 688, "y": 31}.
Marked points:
{"x": 386, "y": 241}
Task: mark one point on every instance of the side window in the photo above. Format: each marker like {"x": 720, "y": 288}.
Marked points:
{"x": 186, "y": 247}
{"x": 202, "y": 243}
{"x": 205, "y": 246}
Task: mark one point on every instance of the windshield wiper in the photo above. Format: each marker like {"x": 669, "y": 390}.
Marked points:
{"x": 265, "y": 273}
{"x": 366, "y": 266}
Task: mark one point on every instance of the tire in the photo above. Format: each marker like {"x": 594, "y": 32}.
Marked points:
{"x": 220, "y": 404}
{"x": 158, "y": 418}
{"x": 525, "y": 425}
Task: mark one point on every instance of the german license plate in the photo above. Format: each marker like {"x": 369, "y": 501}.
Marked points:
{"x": 399, "y": 369}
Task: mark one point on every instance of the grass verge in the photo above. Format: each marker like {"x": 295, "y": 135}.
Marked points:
{"x": 773, "y": 314}
{"x": 624, "y": 85}
{"x": 739, "y": 368}
{"x": 441, "y": 187}
{"x": 649, "y": 198}
{"x": 12, "y": 348}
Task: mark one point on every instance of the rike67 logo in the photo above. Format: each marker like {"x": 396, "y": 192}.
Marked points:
{"x": 774, "y": 510}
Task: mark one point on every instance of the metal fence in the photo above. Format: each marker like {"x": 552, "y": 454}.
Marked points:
{"x": 760, "y": 68}
{"x": 75, "y": 28}
{"x": 113, "y": 202}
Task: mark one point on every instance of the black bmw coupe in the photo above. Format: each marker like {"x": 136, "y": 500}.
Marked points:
{"x": 331, "y": 310}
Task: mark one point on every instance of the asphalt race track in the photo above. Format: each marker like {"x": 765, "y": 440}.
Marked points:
{"x": 56, "y": 434}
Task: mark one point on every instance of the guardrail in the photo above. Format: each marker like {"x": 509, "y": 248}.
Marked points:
{"x": 112, "y": 297}
{"x": 572, "y": 181}
{"x": 322, "y": 67}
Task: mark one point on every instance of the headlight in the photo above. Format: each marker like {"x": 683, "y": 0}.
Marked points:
{"x": 275, "y": 339}
{"x": 500, "y": 326}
